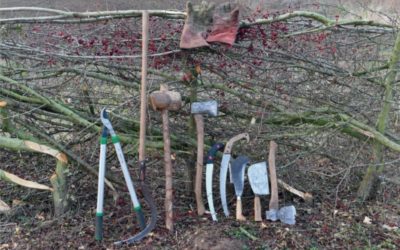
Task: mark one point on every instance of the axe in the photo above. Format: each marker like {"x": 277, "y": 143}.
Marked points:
{"x": 286, "y": 214}
{"x": 198, "y": 109}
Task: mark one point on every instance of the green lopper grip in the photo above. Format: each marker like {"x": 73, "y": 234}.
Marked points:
{"x": 99, "y": 226}
{"x": 140, "y": 217}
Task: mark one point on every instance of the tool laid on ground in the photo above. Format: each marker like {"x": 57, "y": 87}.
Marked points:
{"x": 286, "y": 214}
{"x": 209, "y": 176}
{"x": 225, "y": 162}
{"x": 142, "y": 139}
{"x": 198, "y": 109}
{"x": 258, "y": 179}
{"x": 108, "y": 130}
{"x": 238, "y": 168}
{"x": 165, "y": 101}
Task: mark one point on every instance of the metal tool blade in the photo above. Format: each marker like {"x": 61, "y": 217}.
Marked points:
{"x": 238, "y": 167}
{"x": 222, "y": 182}
{"x": 258, "y": 178}
{"x": 209, "y": 174}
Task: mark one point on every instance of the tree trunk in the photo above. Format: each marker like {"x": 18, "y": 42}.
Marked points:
{"x": 370, "y": 183}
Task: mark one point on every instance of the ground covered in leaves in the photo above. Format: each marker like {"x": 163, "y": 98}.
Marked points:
{"x": 334, "y": 220}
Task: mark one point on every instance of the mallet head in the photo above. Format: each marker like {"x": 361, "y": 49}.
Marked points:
{"x": 169, "y": 100}
{"x": 207, "y": 107}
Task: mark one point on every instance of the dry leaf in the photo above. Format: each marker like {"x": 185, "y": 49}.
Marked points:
{"x": 367, "y": 220}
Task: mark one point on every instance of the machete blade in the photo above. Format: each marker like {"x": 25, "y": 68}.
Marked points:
{"x": 238, "y": 167}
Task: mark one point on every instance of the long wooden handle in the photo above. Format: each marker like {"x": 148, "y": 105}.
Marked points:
{"x": 143, "y": 99}
{"x": 239, "y": 214}
{"x": 199, "y": 165}
{"x": 274, "y": 202}
{"x": 169, "y": 223}
{"x": 257, "y": 209}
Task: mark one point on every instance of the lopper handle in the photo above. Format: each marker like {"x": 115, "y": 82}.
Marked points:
{"x": 239, "y": 214}
{"x": 257, "y": 208}
{"x": 99, "y": 227}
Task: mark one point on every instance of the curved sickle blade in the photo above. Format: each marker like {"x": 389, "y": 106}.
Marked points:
{"x": 222, "y": 181}
{"x": 153, "y": 219}
{"x": 209, "y": 174}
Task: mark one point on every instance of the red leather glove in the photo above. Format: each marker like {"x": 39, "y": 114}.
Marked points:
{"x": 225, "y": 24}
{"x": 198, "y": 21}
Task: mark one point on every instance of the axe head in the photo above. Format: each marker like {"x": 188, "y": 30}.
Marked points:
{"x": 286, "y": 215}
{"x": 207, "y": 107}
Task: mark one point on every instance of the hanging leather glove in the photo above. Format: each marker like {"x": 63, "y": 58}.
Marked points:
{"x": 225, "y": 24}
{"x": 198, "y": 21}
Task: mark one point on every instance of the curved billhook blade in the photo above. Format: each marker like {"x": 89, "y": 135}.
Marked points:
{"x": 106, "y": 122}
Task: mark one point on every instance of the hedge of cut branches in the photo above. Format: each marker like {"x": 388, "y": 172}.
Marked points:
{"x": 316, "y": 84}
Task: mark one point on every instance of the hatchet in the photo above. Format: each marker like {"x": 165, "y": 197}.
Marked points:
{"x": 258, "y": 179}
{"x": 286, "y": 214}
{"x": 198, "y": 109}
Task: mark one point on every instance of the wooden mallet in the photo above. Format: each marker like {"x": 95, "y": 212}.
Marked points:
{"x": 164, "y": 101}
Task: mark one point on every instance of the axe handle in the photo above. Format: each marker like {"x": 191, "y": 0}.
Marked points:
{"x": 257, "y": 209}
{"x": 274, "y": 202}
{"x": 239, "y": 214}
{"x": 199, "y": 165}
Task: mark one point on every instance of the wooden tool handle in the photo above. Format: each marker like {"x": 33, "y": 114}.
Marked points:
{"x": 199, "y": 165}
{"x": 257, "y": 209}
{"x": 143, "y": 99}
{"x": 229, "y": 144}
{"x": 239, "y": 214}
{"x": 274, "y": 202}
{"x": 168, "y": 173}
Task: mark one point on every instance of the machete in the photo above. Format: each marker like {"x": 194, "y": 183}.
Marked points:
{"x": 238, "y": 168}
{"x": 224, "y": 168}
{"x": 209, "y": 176}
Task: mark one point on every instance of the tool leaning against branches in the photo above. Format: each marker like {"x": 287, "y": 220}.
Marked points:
{"x": 108, "y": 130}
{"x": 142, "y": 161}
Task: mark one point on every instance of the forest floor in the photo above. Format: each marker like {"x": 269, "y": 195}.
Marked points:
{"x": 333, "y": 220}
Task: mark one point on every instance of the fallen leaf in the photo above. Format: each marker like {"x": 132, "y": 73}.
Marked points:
{"x": 367, "y": 220}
